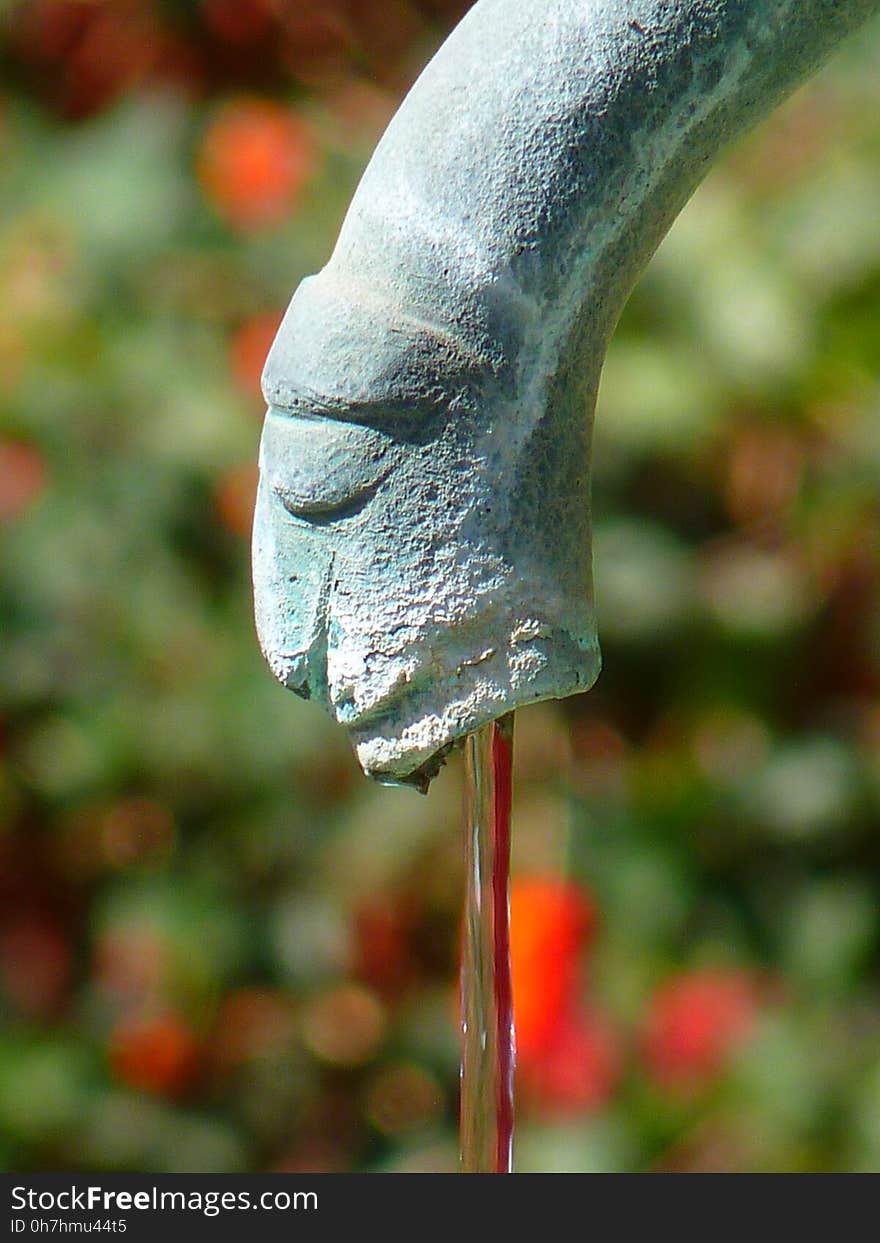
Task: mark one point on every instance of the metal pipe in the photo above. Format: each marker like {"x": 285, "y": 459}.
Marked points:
{"x": 422, "y": 550}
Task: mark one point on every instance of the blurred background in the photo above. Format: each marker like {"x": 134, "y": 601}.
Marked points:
{"x": 221, "y": 948}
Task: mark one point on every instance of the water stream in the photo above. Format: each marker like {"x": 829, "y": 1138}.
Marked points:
{"x": 487, "y": 1057}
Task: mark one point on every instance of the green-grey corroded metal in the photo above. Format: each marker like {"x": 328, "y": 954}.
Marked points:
{"x": 422, "y": 558}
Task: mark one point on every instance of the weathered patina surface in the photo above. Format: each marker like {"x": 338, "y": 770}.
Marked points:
{"x": 422, "y": 552}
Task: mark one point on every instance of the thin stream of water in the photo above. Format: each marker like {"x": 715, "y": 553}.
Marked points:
{"x": 487, "y": 1057}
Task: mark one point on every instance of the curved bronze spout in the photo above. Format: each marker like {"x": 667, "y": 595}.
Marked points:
{"x": 422, "y": 558}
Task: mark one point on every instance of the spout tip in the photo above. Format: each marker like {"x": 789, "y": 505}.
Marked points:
{"x": 420, "y": 778}
{"x": 412, "y": 742}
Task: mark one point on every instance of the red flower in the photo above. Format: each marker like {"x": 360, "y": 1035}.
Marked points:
{"x": 577, "y": 1070}
{"x": 235, "y": 496}
{"x": 254, "y": 160}
{"x": 248, "y": 349}
{"x": 382, "y": 955}
{"x": 550, "y": 922}
{"x": 89, "y": 54}
{"x": 239, "y": 21}
{"x": 155, "y": 1054}
{"x": 35, "y": 963}
{"x": 22, "y": 478}
{"x": 694, "y": 1023}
